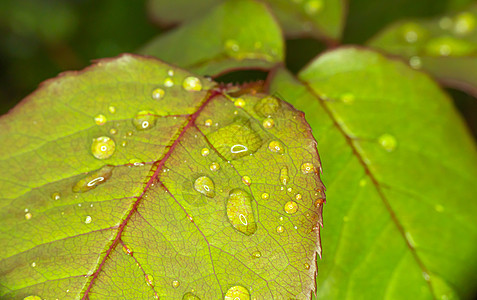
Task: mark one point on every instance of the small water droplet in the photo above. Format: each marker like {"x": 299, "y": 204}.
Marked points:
{"x": 415, "y": 62}
{"x": 237, "y": 293}
{"x": 265, "y": 196}
{"x": 388, "y": 142}
{"x": 413, "y": 32}
{"x": 205, "y": 186}
{"x": 208, "y": 122}
{"x": 347, "y": 98}
{"x": 100, "y": 120}
{"x": 214, "y": 166}
{"x": 256, "y": 254}
{"x": 307, "y": 168}
{"x": 112, "y": 109}
{"x": 103, "y": 147}
{"x": 176, "y": 284}
{"x": 88, "y": 220}
{"x": 240, "y": 213}
{"x": 170, "y": 72}
{"x": 319, "y": 202}
{"x": 113, "y": 131}
{"x": 239, "y": 102}
{"x": 268, "y": 123}
{"x": 93, "y": 179}
{"x": 124, "y": 143}
{"x": 290, "y": 207}
{"x": 298, "y": 196}
{"x": 191, "y": 84}
{"x": 33, "y": 264}
{"x": 190, "y": 296}
{"x": 129, "y": 133}
{"x": 231, "y": 46}
{"x": 307, "y": 266}
{"x": 426, "y": 276}
{"x": 276, "y": 146}
{"x": 284, "y": 179}
{"x": 246, "y": 180}
{"x": 204, "y": 152}
{"x": 168, "y": 82}
{"x": 28, "y": 216}
{"x": 464, "y": 23}
{"x": 127, "y": 250}
{"x": 144, "y": 120}
{"x": 149, "y": 280}
{"x": 56, "y": 196}
{"x": 238, "y": 148}
{"x": 280, "y": 229}
{"x": 289, "y": 189}
{"x": 267, "y": 106}
{"x": 158, "y": 93}
{"x": 312, "y": 7}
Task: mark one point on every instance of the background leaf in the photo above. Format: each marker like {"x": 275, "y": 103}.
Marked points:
{"x": 132, "y": 179}
{"x": 400, "y": 221}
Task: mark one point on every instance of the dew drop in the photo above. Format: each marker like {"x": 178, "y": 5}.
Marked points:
{"x": 56, "y": 196}
{"x": 256, "y": 254}
{"x": 298, "y": 196}
{"x": 267, "y": 106}
{"x": 307, "y": 168}
{"x": 127, "y": 250}
{"x": 205, "y": 186}
{"x": 88, "y": 220}
{"x": 214, "y": 166}
{"x": 265, "y": 196}
{"x": 192, "y": 84}
{"x": 289, "y": 189}
{"x": 290, "y": 207}
{"x": 144, "y": 120}
{"x": 28, "y": 216}
{"x": 93, "y": 179}
{"x": 464, "y": 23}
{"x": 268, "y": 123}
{"x": 312, "y": 7}
{"x": 103, "y": 147}
{"x": 284, "y": 179}
{"x": 208, "y": 122}
{"x": 112, "y": 109}
{"x": 388, "y": 142}
{"x": 239, "y": 102}
{"x": 280, "y": 229}
{"x": 113, "y": 131}
{"x": 168, "y": 82}
{"x": 100, "y": 120}
{"x": 204, "y": 152}
{"x": 33, "y": 264}
{"x": 190, "y": 296}
{"x": 240, "y": 213}
{"x": 129, "y": 133}
{"x": 237, "y": 293}
{"x": 176, "y": 284}
{"x": 307, "y": 266}
{"x": 157, "y": 94}
{"x": 170, "y": 72}
{"x": 149, "y": 280}
{"x": 246, "y": 180}
{"x": 449, "y": 46}
{"x": 276, "y": 146}
{"x": 413, "y": 32}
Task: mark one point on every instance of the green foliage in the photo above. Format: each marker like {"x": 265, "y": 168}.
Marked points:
{"x": 135, "y": 178}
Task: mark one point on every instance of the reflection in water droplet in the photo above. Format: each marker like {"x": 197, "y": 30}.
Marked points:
{"x": 100, "y": 120}
{"x": 214, "y": 166}
{"x": 33, "y": 264}
{"x": 307, "y": 168}
{"x": 204, "y": 152}
{"x": 268, "y": 123}
{"x": 208, "y": 122}
{"x": 240, "y": 213}
{"x": 150, "y": 280}
{"x": 56, "y": 196}
{"x": 267, "y": 106}
{"x": 158, "y": 94}
{"x": 290, "y": 207}
{"x": 190, "y": 296}
{"x": 103, "y": 147}
{"x": 284, "y": 179}
{"x": 280, "y": 229}
{"x": 276, "y": 146}
{"x": 265, "y": 196}
{"x": 205, "y": 186}
{"x": 256, "y": 254}
{"x": 28, "y": 216}
{"x": 127, "y": 250}
{"x": 144, "y": 120}
{"x": 388, "y": 142}
{"x": 88, "y": 220}
{"x": 192, "y": 83}
{"x": 168, "y": 82}
{"x": 298, "y": 196}
{"x": 93, "y": 179}
{"x": 239, "y": 102}
{"x": 237, "y": 293}
{"x": 464, "y": 23}
{"x": 175, "y": 284}
{"x": 246, "y": 180}
{"x": 312, "y": 7}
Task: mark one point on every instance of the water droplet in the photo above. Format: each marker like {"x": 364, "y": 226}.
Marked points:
{"x": 415, "y": 62}
{"x": 307, "y": 266}
{"x": 208, "y": 122}
{"x": 267, "y": 106}
{"x": 276, "y": 146}
{"x": 312, "y": 7}
{"x": 144, "y": 120}
{"x": 449, "y": 46}
{"x": 204, "y": 152}
{"x": 268, "y": 123}
{"x": 157, "y": 94}
{"x": 192, "y": 83}
{"x": 464, "y": 23}
{"x": 347, "y": 98}
{"x": 149, "y": 280}
{"x": 168, "y": 82}
{"x": 205, "y": 186}
{"x": 240, "y": 213}
{"x": 290, "y": 207}
{"x": 93, "y": 179}
{"x": 319, "y": 202}
{"x": 103, "y": 147}
{"x": 280, "y": 229}
{"x": 175, "y": 284}
{"x": 388, "y": 142}
{"x": 289, "y": 189}
{"x": 231, "y": 46}
{"x": 214, "y": 166}
{"x": 127, "y": 250}
{"x": 170, "y": 72}
{"x": 246, "y": 180}
{"x": 239, "y": 102}
{"x": 28, "y": 216}
{"x": 113, "y": 131}
{"x": 237, "y": 293}
{"x": 88, "y": 220}
{"x": 56, "y": 196}
{"x": 413, "y": 32}
{"x": 112, "y": 109}
{"x": 265, "y": 196}
{"x": 124, "y": 143}
{"x": 100, "y": 120}
{"x": 256, "y": 254}
{"x": 284, "y": 179}
{"x": 190, "y": 296}
{"x": 307, "y": 168}
{"x": 33, "y": 264}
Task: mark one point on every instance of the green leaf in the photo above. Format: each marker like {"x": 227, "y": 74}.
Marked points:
{"x": 132, "y": 179}
{"x": 399, "y": 166}
{"x": 235, "y": 35}
{"x": 446, "y": 47}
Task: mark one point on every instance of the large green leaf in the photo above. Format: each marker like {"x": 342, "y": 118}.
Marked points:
{"x": 133, "y": 180}
{"x": 446, "y": 47}
{"x": 234, "y": 35}
{"x": 399, "y": 166}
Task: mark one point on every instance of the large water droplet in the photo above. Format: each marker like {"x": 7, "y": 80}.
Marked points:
{"x": 192, "y": 84}
{"x": 205, "y": 186}
{"x": 284, "y": 178}
{"x": 190, "y": 296}
{"x": 240, "y": 213}
{"x": 237, "y": 293}
{"x": 103, "y": 147}
{"x": 307, "y": 168}
{"x": 144, "y": 120}
{"x": 267, "y": 106}
{"x": 100, "y": 120}
{"x": 158, "y": 94}
{"x": 388, "y": 142}
{"x": 276, "y": 146}
{"x": 93, "y": 179}
{"x": 290, "y": 207}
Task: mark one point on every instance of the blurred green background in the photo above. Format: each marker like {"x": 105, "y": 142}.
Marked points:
{"x": 41, "y": 38}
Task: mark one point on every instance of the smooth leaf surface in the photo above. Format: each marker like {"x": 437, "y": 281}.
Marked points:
{"x": 133, "y": 180}
{"x": 234, "y": 35}
{"x": 399, "y": 166}
{"x": 446, "y": 47}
